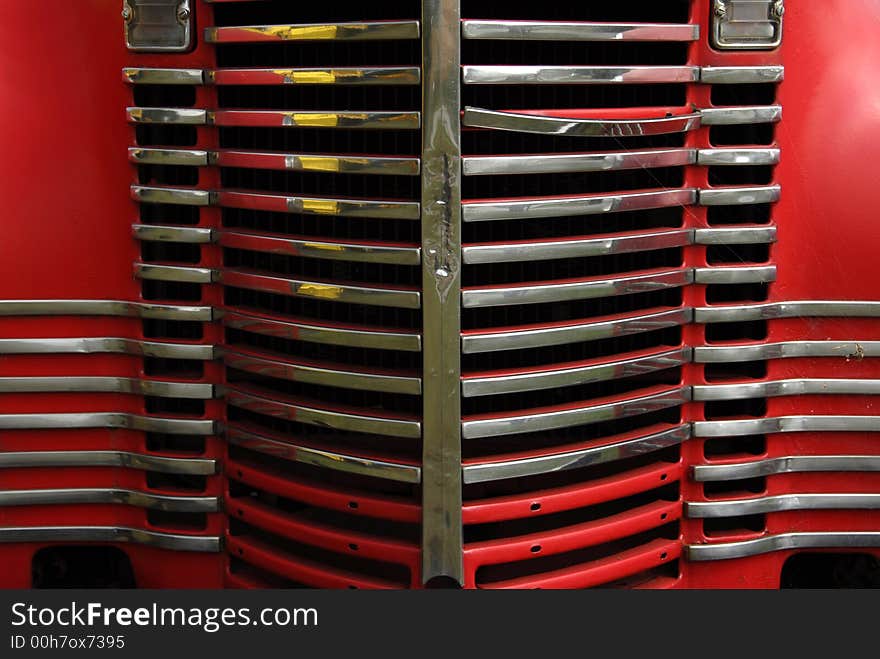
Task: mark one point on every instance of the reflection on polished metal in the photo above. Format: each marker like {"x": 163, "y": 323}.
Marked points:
{"x": 318, "y": 119}
{"x": 793, "y": 464}
{"x": 803, "y": 387}
{"x": 503, "y": 74}
{"x": 328, "y": 334}
{"x": 180, "y": 116}
{"x": 105, "y": 308}
{"x": 394, "y": 254}
{"x": 735, "y": 235}
{"x": 577, "y": 162}
{"x": 187, "y": 197}
{"x": 493, "y": 471}
{"x": 736, "y": 75}
{"x": 442, "y": 535}
{"x": 779, "y": 503}
{"x": 568, "y": 376}
{"x": 144, "y": 76}
{"x": 319, "y": 162}
{"x": 523, "y": 338}
{"x": 855, "y": 350}
{"x": 34, "y": 384}
{"x": 147, "y": 156}
{"x": 188, "y": 274}
{"x": 541, "y": 207}
{"x": 740, "y": 195}
{"x": 575, "y": 248}
{"x": 380, "y": 75}
{"x": 189, "y": 504}
{"x": 794, "y": 309}
{"x": 560, "y": 291}
{"x": 122, "y": 534}
{"x": 823, "y": 540}
{"x": 107, "y": 344}
{"x": 578, "y": 31}
{"x": 535, "y": 123}
{"x": 738, "y": 274}
{"x": 398, "y": 210}
{"x": 122, "y": 420}
{"x": 350, "y": 464}
{"x": 124, "y": 459}
{"x": 172, "y": 234}
{"x": 768, "y": 425}
{"x": 538, "y": 420}
{"x": 759, "y": 114}
{"x": 747, "y": 24}
{"x": 731, "y": 156}
{"x": 352, "y": 31}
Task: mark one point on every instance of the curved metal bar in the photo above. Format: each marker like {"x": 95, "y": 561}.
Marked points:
{"x": 187, "y": 274}
{"x": 520, "y": 468}
{"x": 403, "y": 473}
{"x": 320, "y": 162}
{"x": 781, "y": 542}
{"x": 105, "y": 308}
{"x": 547, "y": 163}
{"x": 121, "y": 420}
{"x": 157, "y": 76}
{"x": 321, "y": 249}
{"x": 758, "y": 114}
{"x": 794, "y": 309}
{"x": 735, "y": 235}
{"x": 188, "y": 197}
{"x": 792, "y": 464}
{"x": 124, "y": 459}
{"x": 89, "y": 345}
{"x": 740, "y": 195}
{"x": 779, "y": 424}
{"x": 780, "y": 503}
{"x": 793, "y": 387}
{"x": 350, "y": 31}
{"x": 734, "y": 156}
{"x": 151, "y": 156}
{"x": 318, "y": 119}
{"x": 578, "y": 31}
{"x": 737, "y": 274}
{"x": 74, "y": 496}
{"x": 100, "y": 384}
{"x": 504, "y": 74}
{"x": 378, "y": 75}
{"x": 738, "y": 75}
{"x": 173, "y": 541}
{"x": 172, "y": 234}
{"x": 178, "y": 116}
{"x": 371, "y": 208}
{"x": 786, "y": 350}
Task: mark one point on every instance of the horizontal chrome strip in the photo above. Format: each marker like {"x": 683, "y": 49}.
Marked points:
{"x": 373, "y": 120}
{"x": 552, "y": 378}
{"x": 370, "y": 208}
{"x": 74, "y": 496}
{"x": 345, "y": 421}
{"x": 738, "y": 75}
{"x": 187, "y": 274}
{"x": 343, "y": 336}
{"x": 349, "y": 464}
{"x": 540, "y": 292}
{"x": 575, "y": 248}
{"x": 578, "y": 31}
{"x": 121, "y": 420}
{"x": 547, "y": 125}
{"x": 783, "y": 541}
{"x": 735, "y": 235}
{"x": 149, "y": 156}
{"x": 795, "y": 309}
{"x": 68, "y": 534}
{"x": 538, "y": 420}
{"x": 180, "y": 116}
{"x": 318, "y": 249}
{"x": 799, "y": 387}
{"x": 353, "y": 31}
{"x": 143, "y": 76}
{"x": 780, "y": 503}
{"x": 520, "y": 339}
{"x": 733, "y": 156}
{"x": 769, "y": 425}
{"x": 124, "y": 459}
{"x": 320, "y": 162}
{"x": 154, "y": 195}
{"x": 792, "y": 464}
{"x": 328, "y": 377}
{"x": 172, "y": 234}
{"x": 333, "y": 292}
{"x": 547, "y": 163}
{"x": 759, "y": 114}
{"x": 541, "y": 207}
{"x": 765, "y": 194}
{"x": 785, "y": 350}
{"x": 504, "y": 74}
{"x": 378, "y": 75}
{"x": 737, "y": 274}
{"x": 106, "y": 344}
{"x": 106, "y": 384}
{"x": 105, "y": 308}
{"x": 494, "y": 471}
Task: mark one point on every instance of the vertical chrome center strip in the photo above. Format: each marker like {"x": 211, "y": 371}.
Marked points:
{"x": 442, "y": 554}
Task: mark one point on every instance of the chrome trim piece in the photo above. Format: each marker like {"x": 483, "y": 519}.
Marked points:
{"x": 538, "y": 421}
{"x": 793, "y": 464}
{"x": 770, "y": 425}
{"x": 124, "y": 459}
{"x": 107, "y": 344}
{"x": 793, "y": 387}
{"x": 490, "y": 341}
{"x": 780, "y": 503}
{"x": 188, "y": 274}
{"x": 106, "y": 384}
{"x": 737, "y": 274}
{"x": 172, "y": 541}
{"x": 172, "y": 234}
{"x": 156, "y": 76}
{"x": 531, "y": 123}
{"x": 541, "y": 207}
{"x": 318, "y": 249}
{"x": 158, "y": 27}
{"x": 759, "y": 114}
{"x": 495, "y": 471}
{"x": 540, "y": 292}
{"x": 153, "y": 195}
{"x": 104, "y": 308}
{"x": 379, "y": 75}
{"x": 770, "y": 543}
{"x": 746, "y": 25}
{"x": 735, "y": 235}
{"x": 405, "y": 428}
{"x": 786, "y": 349}
{"x": 553, "y": 377}
{"x": 189, "y": 504}
{"x": 734, "y": 156}
{"x": 575, "y": 248}
{"x": 765, "y": 194}
{"x": 120, "y": 420}
{"x": 150, "y": 156}
{"x": 319, "y": 119}
{"x": 578, "y": 31}
{"x": 394, "y": 471}
{"x": 737, "y": 75}
{"x": 322, "y": 162}
{"x": 183, "y": 116}
{"x": 547, "y": 163}
{"x": 372, "y": 208}
{"x": 352, "y": 31}
{"x": 793, "y": 309}
{"x": 503, "y": 74}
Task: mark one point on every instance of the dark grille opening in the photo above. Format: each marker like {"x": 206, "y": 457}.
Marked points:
{"x": 317, "y": 97}
{"x": 272, "y": 13}
{"x": 827, "y": 570}
{"x": 529, "y": 185}
{"x": 489, "y": 142}
{"x": 747, "y": 94}
{"x": 311, "y": 140}
{"x": 71, "y": 566}
{"x": 737, "y": 254}
{"x": 152, "y": 251}
{"x": 181, "y": 521}
{"x": 740, "y": 175}
{"x": 172, "y": 329}
{"x": 260, "y": 577}
{"x": 182, "y": 482}
{"x": 169, "y": 214}
{"x": 738, "y": 214}
{"x": 721, "y": 526}
{"x": 729, "y": 489}
{"x": 165, "y": 443}
{"x": 671, "y": 11}
{"x": 168, "y": 175}
{"x": 397, "y": 52}
{"x": 184, "y": 368}
{"x": 308, "y": 183}
{"x": 721, "y": 332}
{"x": 165, "y": 135}
{"x": 173, "y": 96}
{"x": 746, "y": 134}
{"x": 726, "y": 409}
{"x": 667, "y": 571}
{"x": 723, "y": 293}
{"x": 563, "y": 53}
{"x": 735, "y": 371}
{"x": 725, "y": 447}
{"x": 181, "y": 406}
{"x": 541, "y": 97}
{"x": 152, "y": 289}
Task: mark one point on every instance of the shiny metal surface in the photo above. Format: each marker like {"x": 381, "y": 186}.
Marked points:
{"x": 106, "y": 344}
{"x": 547, "y": 163}
{"x": 159, "y": 272}
{"x": 737, "y": 274}
{"x": 158, "y": 26}
{"x": 793, "y": 309}
{"x": 768, "y": 425}
{"x": 370, "y": 208}
{"x": 105, "y": 308}
{"x": 121, "y": 420}
{"x": 172, "y": 234}
{"x": 319, "y": 119}
{"x": 318, "y": 249}
{"x": 348, "y": 31}
{"x": 73, "y": 496}
{"x": 793, "y": 464}
{"x": 578, "y": 31}
{"x": 179, "y": 116}
{"x": 37, "y": 384}
{"x": 320, "y": 162}
{"x": 733, "y": 156}
{"x": 735, "y": 235}
{"x": 531, "y": 123}
{"x": 493, "y": 471}
{"x": 766, "y": 194}
{"x": 737, "y": 75}
{"x": 793, "y": 387}
{"x": 157, "y": 76}
{"x": 151, "y": 156}
{"x": 759, "y": 114}
{"x": 379, "y": 75}
{"x": 503, "y": 74}
{"x": 770, "y": 543}
{"x": 786, "y": 349}
{"x": 187, "y": 197}
{"x": 172, "y": 541}
{"x": 747, "y": 24}
{"x": 124, "y": 459}
{"x": 779, "y": 503}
